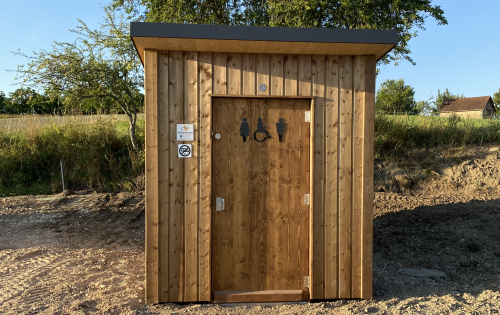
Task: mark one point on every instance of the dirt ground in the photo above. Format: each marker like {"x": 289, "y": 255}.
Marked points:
{"x": 85, "y": 254}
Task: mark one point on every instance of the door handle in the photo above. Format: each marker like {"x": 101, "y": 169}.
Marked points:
{"x": 219, "y": 204}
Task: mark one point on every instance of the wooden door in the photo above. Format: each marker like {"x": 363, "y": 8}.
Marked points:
{"x": 260, "y": 241}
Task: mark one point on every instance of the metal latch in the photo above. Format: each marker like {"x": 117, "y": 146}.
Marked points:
{"x": 219, "y": 204}
{"x": 306, "y": 281}
{"x": 308, "y": 116}
{"x": 306, "y": 199}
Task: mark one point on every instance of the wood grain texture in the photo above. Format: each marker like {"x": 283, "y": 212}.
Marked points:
{"x": 338, "y": 231}
{"x": 262, "y": 69}
{"x": 264, "y": 96}
{"x": 304, "y": 75}
{"x": 191, "y": 179}
{"x": 260, "y": 242}
{"x": 234, "y": 73}
{"x": 220, "y": 73}
{"x": 345, "y": 176}
{"x": 176, "y": 179}
{"x": 357, "y": 173}
{"x": 368, "y": 153}
{"x": 260, "y": 47}
{"x": 308, "y": 293}
{"x": 290, "y": 74}
{"x": 249, "y": 74}
{"x": 276, "y": 75}
{"x": 152, "y": 202}
{"x": 331, "y": 210}
{"x": 223, "y": 186}
{"x": 317, "y": 274}
{"x": 163, "y": 166}
{"x": 258, "y": 296}
{"x": 205, "y": 167}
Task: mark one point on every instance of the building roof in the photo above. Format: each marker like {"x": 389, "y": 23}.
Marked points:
{"x": 261, "y": 39}
{"x": 465, "y": 104}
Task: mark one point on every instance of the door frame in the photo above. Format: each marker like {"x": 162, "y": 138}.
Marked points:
{"x": 311, "y": 173}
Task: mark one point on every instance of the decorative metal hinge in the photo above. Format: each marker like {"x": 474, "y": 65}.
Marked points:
{"x": 306, "y": 281}
{"x": 308, "y": 116}
{"x": 306, "y": 199}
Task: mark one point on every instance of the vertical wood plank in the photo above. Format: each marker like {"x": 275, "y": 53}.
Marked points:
{"x": 262, "y": 68}
{"x": 234, "y": 73}
{"x": 357, "y": 173}
{"x": 345, "y": 176}
{"x": 176, "y": 177}
{"x": 310, "y": 224}
{"x": 290, "y": 74}
{"x": 219, "y": 68}
{"x": 152, "y": 202}
{"x": 291, "y": 160}
{"x": 248, "y": 66}
{"x": 218, "y": 223}
{"x": 204, "y": 142}
{"x": 369, "y": 134}
{"x": 331, "y": 268}
{"x": 304, "y": 88}
{"x": 275, "y": 203}
{"x": 191, "y": 179}
{"x": 223, "y": 173}
{"x": 163, "y": 167}
{"x": 304, "y": 75}
{"x": 276, "y": 73}
{"x": 317, "y": 275}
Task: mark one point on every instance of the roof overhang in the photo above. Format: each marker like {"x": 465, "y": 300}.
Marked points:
{"x": 261, "y": 39}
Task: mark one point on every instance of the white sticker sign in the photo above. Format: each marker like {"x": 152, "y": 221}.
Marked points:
{"x": 185, "y": 132}
{"x": 185, "y": 151}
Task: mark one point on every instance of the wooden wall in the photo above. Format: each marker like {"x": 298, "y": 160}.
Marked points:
{"x": 178, "y": 195}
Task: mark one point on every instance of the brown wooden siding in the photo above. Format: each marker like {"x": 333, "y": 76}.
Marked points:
{"x": 178, "y": 193}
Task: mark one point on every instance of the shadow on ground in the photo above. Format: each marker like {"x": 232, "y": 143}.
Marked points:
{"x": 460, "y": 239}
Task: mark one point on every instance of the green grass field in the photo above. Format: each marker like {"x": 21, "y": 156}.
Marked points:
{"x": 97, "y": 154}
{"x": 95, "y": 151}
{"x": 395, "y": 135}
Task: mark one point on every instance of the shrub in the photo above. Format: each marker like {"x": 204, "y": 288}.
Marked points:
{"x": 95, "y": 156}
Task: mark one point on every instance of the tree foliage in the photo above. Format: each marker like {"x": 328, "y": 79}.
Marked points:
{"x": 99, "y": 67}
{"x": 395, "y": 96}
{"x": 404, "y": 16}
{"x": 438, "y": 102}
{"x": 496, "y": 100}
{"x": 3, "y": 103}
{"x": 28, "y": 101}
{"x": 425, "y": 107}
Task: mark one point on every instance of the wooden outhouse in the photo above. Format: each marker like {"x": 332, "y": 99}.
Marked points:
{"x": 259, "y": 161}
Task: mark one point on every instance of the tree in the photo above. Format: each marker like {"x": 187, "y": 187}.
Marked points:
{"x": 496, "y": 100}
{"x": 404, "y": 16}
{"x": 425, "y": 107}
{"x": 395, "y": 96}
{"x": 438, "y": 102}
{"x": 100, "y": 66}
{"x": 3, "y": 103}
{"x": 19, "y": 101}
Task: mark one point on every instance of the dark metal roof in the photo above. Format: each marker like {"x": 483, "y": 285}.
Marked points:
{"x": 263, "y": 33}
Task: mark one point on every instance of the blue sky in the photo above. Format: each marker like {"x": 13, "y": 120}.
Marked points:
{"x": 463, "y": 56}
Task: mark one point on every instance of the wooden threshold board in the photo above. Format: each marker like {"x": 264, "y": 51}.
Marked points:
{"x": 260, "y": 296}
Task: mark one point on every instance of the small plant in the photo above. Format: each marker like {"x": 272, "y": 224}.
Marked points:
{"x": 453, "y": 120}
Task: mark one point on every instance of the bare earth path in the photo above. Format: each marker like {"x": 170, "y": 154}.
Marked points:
{"x": 85, "y": 255}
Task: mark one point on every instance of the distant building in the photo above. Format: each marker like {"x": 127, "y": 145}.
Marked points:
{"x": 468, "y": 107}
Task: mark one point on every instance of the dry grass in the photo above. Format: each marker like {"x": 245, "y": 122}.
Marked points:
{"x": 95, "y": 151}
{"x": 11, "y": 123}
